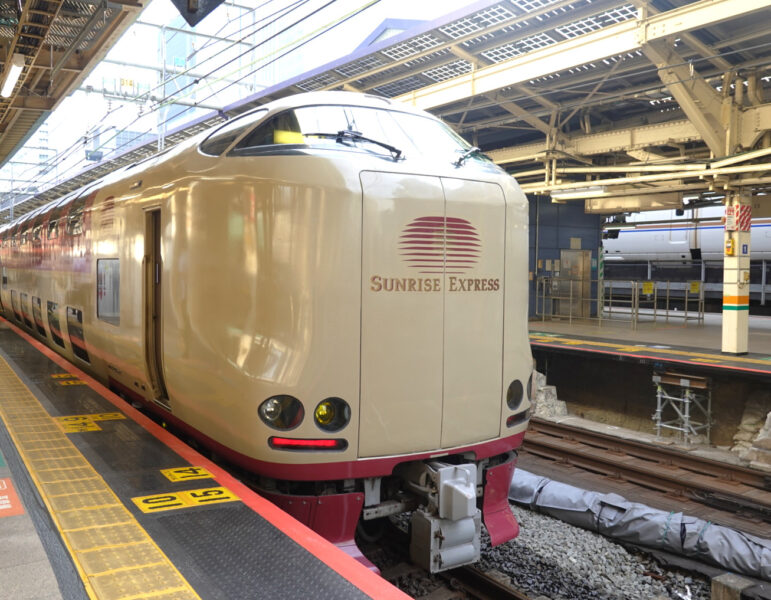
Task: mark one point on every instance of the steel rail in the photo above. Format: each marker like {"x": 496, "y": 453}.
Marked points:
{"x": 662, "y": 469}
{"x": 482, "y": 586}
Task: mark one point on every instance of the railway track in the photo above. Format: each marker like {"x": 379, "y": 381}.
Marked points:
{"x": 717, "y": 484}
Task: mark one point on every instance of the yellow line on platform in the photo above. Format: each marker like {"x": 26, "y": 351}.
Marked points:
{"x": 548, "y": 339}
{"x": 114, "y": 555}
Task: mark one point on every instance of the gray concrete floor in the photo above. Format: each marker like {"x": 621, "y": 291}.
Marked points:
{"x": 675, "y": 332}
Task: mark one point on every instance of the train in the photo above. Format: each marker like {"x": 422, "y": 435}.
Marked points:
{"x": 685, "y": 245}
{"x": 677, "y": 235}
{"x": 329, "y": 292}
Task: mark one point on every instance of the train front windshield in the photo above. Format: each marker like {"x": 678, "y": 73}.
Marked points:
{"x": 384, "y": 132}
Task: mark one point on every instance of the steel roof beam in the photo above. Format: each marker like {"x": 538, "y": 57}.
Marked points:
{"x": 699, "y": 100}
{"x": 628, "y": 36}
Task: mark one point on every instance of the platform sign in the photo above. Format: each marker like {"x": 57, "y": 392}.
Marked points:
{"x": 730, "y": 218}
{"x": 77, "y": 425}
{"x": 10, "y": 505}
{"x": 694, "y": 287}
{"x": 186, "y": 499}
{"x": 113, "y": 416}
{"x": 647, "y": 287}
{"x": 82, "y": 423}
{"x": 186, "y": 473}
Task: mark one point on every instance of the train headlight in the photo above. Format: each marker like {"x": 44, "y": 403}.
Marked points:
{"x": 332, "y": 414}
{"x": 282, "y": 412}
{"x": 514, "y": 394}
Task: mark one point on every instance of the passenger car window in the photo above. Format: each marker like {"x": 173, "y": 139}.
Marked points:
{"x": 75, "y": 217}
{"x": 53, "y": 228}
{"x": 108, "y": 290}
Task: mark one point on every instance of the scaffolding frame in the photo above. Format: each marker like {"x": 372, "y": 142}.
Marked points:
{"x": 690, "y": 397}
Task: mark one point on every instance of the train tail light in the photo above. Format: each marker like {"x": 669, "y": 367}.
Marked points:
{"x": 282, "y": 443}
{"x": 518, "y": 418}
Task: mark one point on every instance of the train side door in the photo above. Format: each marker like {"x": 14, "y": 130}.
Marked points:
{"x": 152, "y": 267}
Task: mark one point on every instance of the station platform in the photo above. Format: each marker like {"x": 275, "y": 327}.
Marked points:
{"x": 665, "y": 343}
{"x": 98, "y": 501}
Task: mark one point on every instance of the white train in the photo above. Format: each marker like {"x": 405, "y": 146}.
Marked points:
{"x": 667, "y": 236}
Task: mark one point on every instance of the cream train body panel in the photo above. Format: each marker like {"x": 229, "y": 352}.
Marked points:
{"x": 230, "y": 271}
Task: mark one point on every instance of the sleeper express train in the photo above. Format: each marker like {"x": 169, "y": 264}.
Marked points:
{"x": 329, "y": 291}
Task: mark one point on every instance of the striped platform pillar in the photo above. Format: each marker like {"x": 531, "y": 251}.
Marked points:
{"x": 736, "y": 273}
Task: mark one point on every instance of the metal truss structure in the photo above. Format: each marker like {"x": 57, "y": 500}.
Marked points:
{"x": 622, "y": 104}
{"x": 58, "y": 42}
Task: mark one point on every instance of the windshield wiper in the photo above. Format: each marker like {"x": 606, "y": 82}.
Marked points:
{"x": 466, "y": 154}
{"x": 357, "y": 137}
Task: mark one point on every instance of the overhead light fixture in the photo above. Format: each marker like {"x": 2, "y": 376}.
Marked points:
{"x": 13, "y": 69}
{"x": 579, "y": 193}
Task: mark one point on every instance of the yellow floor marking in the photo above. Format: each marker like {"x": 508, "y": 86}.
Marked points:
{"x": 81, "y": 423}
{"x": 625, "y": 348}
{"x": 100, "y": 533}
{"x": 185, "y": 499}
{"x": 186, "y": 473}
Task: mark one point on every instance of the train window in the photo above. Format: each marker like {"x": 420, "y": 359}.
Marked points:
{"x": 36, "y": 234}
{"x": 37, "y": 315}
{"x": 75, "y": 329}
{"x": 25, "y": 312}
{"x": 5, "y": 278}
{"x": 53, "y": 229}
{"x": 372, "y": 130}
{"x": 220, "y": 140}
{"x": 108, "y": 290}
{"x": 283, "y": 128}
{"x": 15, "y": 306}
{"x": 75, "y": 217}
{"x": 53, "y": 323}
{"x": 24, "y": 237}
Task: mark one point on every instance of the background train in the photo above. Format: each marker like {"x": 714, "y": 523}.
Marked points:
{"x": 329, "y": 291}
{"x": 682, "y": 246}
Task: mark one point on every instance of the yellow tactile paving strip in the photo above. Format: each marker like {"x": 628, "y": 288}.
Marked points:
{"x": 116, "y": 558}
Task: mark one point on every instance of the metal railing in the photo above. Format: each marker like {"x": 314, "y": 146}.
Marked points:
{"x": 619, "y": 300}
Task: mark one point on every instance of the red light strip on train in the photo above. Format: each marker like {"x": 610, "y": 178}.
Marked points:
{"x": 283, "y": 443}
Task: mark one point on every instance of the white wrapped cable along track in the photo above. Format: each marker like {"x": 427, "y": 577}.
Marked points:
{"x": 614, "y": 516}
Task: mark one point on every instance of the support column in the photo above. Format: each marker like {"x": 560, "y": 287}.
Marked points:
{"x": 736, "y": 273}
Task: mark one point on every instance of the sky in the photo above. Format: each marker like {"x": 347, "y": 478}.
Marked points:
{"x": 123, "y": 98}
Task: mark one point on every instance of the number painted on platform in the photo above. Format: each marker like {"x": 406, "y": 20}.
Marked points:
{"x": 186, "y": 499}
{"x": 114, "y": 416}
{"x": 71, "y": 382}
{"x": 79, "y": 426}
{"x": 62, "y": 376}
{"x": 186, "y": 473}
{"x": 209, "y": 496}
{"x": 159, "y": 502}
{"x": 81, "y": 423}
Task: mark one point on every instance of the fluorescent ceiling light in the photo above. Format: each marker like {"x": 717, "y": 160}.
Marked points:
{"x": 13, "y": 69}
{"x": 579, "y": 193}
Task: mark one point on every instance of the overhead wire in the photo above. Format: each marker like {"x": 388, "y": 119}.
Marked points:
{"x": 77, "y": 144}
{"x": 291, "y": 48}
{"x": 552, "y": 91}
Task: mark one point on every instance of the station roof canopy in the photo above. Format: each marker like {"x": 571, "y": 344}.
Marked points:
{"x": 54, "y": 45}
{"x": 592, "y": 82}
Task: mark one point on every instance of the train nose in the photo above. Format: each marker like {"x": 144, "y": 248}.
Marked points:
{"x": 432, "y": 312}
